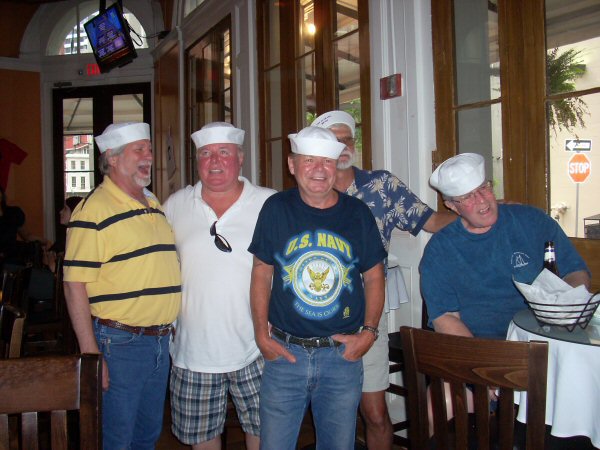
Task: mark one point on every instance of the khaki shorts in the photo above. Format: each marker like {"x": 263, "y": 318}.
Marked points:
{"x": 376, "y": 365}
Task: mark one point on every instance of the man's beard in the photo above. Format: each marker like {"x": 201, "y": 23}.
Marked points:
{"x": 343, "y": 165}
{"x": 143, "y": 182}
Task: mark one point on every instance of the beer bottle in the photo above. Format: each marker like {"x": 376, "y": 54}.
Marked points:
{"x": 550, "y": 258}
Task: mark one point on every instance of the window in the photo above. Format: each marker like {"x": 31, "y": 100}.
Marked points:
{"x": 209, "y": 85}
{"x": 69, "y": 37}
{"x": 325, "y": 66}
{"x": 191, "y": 5}
{"x": 72, "y": 165}
{"x": 519, "y": 82}
{"x": 82, "y": 165}
{"x": 73, "y": 182}
{"x": 82, "y": 183}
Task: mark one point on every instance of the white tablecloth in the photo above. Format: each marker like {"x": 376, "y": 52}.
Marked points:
{"x": 573, "y": 393}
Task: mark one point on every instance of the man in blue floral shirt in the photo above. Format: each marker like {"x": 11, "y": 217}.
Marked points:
{"x": 393, "y": 205}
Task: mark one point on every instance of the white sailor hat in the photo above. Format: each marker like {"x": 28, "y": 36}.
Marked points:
{"x": 459, "y": 175}
{"x": 328, "y": 119}
{"x": 316, "y": 141}
{"x": 118, "y": 134}
{"x": 218, "y": 133}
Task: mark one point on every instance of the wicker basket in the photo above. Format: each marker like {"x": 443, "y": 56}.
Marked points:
{"x": 568, "y": 316}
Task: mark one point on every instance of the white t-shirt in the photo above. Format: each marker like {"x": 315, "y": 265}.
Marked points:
{"x": 214, "y": 328}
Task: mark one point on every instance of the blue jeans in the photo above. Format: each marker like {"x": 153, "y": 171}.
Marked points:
{"x": 320, "y": 377}
{"x": 138, "y": 368}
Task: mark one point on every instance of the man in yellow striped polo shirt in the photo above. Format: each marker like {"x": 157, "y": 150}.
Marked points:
{"x": 123, "y": 287}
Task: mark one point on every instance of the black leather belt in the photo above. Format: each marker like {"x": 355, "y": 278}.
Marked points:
{"x": 312, "y": 342}
{"x": 154, "y": 330}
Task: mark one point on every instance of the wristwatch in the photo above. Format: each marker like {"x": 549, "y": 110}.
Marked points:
{"x": 373, "y": 330}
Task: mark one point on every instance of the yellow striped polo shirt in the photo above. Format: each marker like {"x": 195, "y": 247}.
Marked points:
{"x": 125, "y": 254}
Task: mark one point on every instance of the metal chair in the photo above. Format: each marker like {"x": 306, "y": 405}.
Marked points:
{"x": 483, "y": 364}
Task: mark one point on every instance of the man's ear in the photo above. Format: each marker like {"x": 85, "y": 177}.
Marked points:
{"x": 110, "y": 158}
{"x": 451, "y": 206}
{"x": 291, "y": 164}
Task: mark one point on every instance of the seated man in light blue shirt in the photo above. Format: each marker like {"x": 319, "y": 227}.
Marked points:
{"x": 468, "y": 267}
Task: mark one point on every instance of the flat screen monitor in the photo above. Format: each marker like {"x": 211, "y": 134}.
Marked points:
{"x": 109, "y": 37}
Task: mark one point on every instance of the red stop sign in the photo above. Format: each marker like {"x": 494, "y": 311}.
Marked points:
{"x": 580, "y": 167}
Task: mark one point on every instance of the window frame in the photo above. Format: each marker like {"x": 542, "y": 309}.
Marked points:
{"x": 522, "y": 51}
{"x": 325, "y": 95}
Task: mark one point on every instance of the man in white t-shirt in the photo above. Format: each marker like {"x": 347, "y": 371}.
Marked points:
{"x": 214, "y": 351}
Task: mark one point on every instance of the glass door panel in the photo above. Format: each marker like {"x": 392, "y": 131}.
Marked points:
{"x": 347, "y": 85}
{"x": 307, "y": 28}
{"x": 128, "y": 108}
{"x": 273, "y": 88}
{"x": 79, "y": 114}
{"x": 477, "y": 106}
{"x": 276, "y": 175}
{"x": 480, "y": 131}
{"x": 209, "y": 85}
{"x": 573, "y": 115}
{"x": 78, "y": 147}
{"x": 477, "y": 57}
{"x": 346, "y": 16}
{"x": 307, "y": 89}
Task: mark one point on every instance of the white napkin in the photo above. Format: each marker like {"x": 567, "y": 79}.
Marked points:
{"x": 395, "y": 287}
{"x": 550, "y": 294}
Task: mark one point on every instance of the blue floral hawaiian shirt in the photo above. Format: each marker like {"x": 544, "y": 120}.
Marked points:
{"x": 392, "y": 203}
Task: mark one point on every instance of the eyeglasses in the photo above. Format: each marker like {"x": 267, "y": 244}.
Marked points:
{"x": 220, "y": 242}
{"x": 469, "y": 199}
{"x": 347, "y": 141}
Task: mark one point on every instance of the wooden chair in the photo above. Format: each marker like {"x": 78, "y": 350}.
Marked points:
{"x": 54, "y": 384}
{"x": 482, "y": 363}
{"x": 11, "y": 332}
{"x": 15, "y": 285}
{"x": 396, "y": 357}
{"x": 50, "y": 330}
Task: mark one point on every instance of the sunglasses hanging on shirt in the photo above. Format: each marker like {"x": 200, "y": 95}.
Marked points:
{"x": 220, "y": 242}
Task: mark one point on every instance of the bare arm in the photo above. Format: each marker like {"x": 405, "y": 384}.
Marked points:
{"x": 78, "y": 305}
{"x": 451, "y": 323}
{"x": 260, "y": 296}
{"x": 578, "y": 278}
{"x": 358, "y": 344}
{"x": 439, "y": 220}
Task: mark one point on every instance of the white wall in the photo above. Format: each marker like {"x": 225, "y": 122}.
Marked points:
{"x": 403, "y": 130}
{"x": 404, "y": 127}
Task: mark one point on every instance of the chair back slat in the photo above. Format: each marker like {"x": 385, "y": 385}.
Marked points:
{"x": 459, "y": 404}
{"x": 440, "y": 418}
{"x": 482, "y": 416}
{"x": 54, "y": 384}
{"x": 29, "y": 430}
{"x": 58, "y": 420}
{"x": 537, "y": 384}
{"x": 484, "y": 364}
{"x": 4, "y": 436}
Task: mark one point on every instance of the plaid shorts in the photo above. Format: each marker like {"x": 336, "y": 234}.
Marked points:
{"x": 199, "y": 401}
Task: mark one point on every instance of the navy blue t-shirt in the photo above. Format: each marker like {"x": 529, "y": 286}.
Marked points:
{"x": 318, "y": 256}
{"x": 473, "y": 273}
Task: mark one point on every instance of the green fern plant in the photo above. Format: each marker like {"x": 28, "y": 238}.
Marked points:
{"x": 561, "y": 72}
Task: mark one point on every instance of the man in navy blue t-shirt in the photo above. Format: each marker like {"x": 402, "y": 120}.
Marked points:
{"x": 317, "y": 294}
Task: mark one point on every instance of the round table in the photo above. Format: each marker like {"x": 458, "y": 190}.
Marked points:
{"x": 573, "y": 392}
